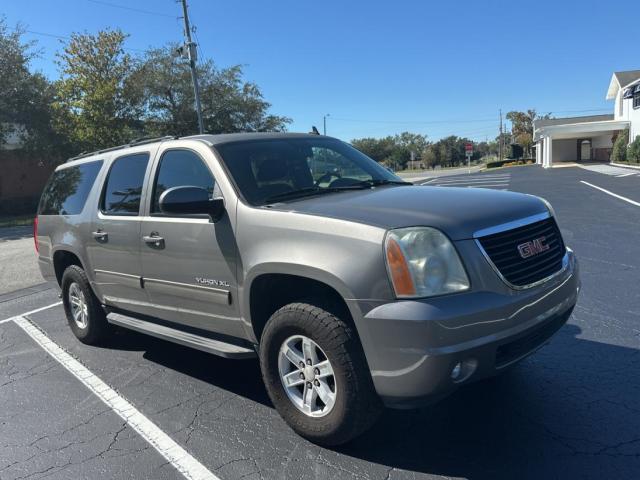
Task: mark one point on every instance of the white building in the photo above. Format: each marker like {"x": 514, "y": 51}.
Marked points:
{"x": 584, "y": 139}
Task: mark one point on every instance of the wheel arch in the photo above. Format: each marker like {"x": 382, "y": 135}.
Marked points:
{"x": 62, "y": 258}
{"x": 271, "y": 287}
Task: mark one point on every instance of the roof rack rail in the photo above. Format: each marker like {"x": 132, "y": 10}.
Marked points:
{"x": 145, "y": 140}
{"x": 133, "y": 143}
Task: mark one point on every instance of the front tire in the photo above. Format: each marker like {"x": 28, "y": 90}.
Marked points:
{"x": 315, "y": 373}
{"x": 84, "y": 313}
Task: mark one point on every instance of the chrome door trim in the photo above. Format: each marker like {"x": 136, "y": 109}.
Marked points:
{"x": 116, "y": 300}
{"x": 219, "y": 294}
{"x": 116, "y": 274}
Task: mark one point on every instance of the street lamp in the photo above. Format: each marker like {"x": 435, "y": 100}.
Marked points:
{"x": 324, "y": 121}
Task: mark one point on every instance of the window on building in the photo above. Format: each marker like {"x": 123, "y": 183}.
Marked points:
{"x": 636, "y": 99}
{"x": 123, "y": 188}
{"x": 68, "y": 189}
{"x": 180, "y": 168}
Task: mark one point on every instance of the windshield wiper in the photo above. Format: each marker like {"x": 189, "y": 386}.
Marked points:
{"x": 309, "y": 191}
{"x": 303, "y": 192}
{"x": 378, "y": 182}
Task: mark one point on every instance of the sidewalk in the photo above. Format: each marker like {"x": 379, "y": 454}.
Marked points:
{"x": 441, "y": 172}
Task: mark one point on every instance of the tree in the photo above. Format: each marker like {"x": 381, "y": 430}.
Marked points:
{"x": 619, "y": 151}
{"x": 25, "y": 97}
{"x": 97, "y": 104}
{"x": 380, "y": 149}
{"x": 522, "y": 127}
{"x": 633, "y": 151}
{"x": 229, "y": 104}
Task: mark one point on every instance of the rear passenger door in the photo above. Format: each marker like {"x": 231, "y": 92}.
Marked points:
{"x": 188, "y": 262}
{"x": 114, "y": 243}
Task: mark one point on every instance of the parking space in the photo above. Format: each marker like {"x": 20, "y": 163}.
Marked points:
{"x": 497, "y": 181}
{"x": 569, "y": 411}
{"x": 611, "y": 170}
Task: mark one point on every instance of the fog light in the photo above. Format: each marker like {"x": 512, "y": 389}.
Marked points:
{"x": 461, "y": 371}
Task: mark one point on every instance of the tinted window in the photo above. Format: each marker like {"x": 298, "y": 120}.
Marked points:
{"x": 68, "y": 189}
{"x": 264, "y": 169}
{"x": 181, "y": 168}
{"x": 124, "y": 185}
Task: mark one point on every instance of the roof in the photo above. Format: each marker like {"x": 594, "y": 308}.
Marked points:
{"x": 235, "y": 137}
{"x": 210, "y": 139}
{"x": 570, "y": 120}
{"x": 620, "y": 80}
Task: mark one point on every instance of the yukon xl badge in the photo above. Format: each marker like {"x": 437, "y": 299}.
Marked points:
{"x": 210, "y": 282}
{"x": 533, "y": 247}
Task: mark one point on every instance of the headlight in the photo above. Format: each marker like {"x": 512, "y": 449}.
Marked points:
{"x": 422, "y": 262}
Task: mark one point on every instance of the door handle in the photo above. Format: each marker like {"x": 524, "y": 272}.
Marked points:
{"x": 100, "y": 235}
{"x": 154, "y": 240}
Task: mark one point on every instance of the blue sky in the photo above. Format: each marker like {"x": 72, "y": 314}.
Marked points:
{"x": 379, "y": 68}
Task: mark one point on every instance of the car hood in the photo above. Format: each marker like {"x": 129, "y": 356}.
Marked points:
{"x": 459, "y": 212}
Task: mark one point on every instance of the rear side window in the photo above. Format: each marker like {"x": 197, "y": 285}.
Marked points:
{"x": 123, "y": 188}
{"x": 179, "y": 168}
{"x": 67, "y": 190}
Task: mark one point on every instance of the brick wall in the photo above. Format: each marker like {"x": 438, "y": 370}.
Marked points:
{"x": 22, "y": 179}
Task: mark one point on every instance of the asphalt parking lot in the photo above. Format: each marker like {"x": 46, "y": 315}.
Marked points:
{"x": 570, "y": 411}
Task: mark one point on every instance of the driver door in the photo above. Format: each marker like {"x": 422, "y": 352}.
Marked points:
{"x": 188, "y": 262}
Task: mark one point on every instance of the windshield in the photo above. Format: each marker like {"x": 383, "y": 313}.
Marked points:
{"x": 279, "y": 169}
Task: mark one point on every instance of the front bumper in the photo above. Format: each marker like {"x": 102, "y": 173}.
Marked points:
{"x": 413, "y": 346}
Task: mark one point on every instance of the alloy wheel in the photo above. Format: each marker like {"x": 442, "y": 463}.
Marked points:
{"x": 307, "y": 376}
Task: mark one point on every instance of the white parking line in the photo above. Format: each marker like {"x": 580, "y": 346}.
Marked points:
{"x": 487, "y": 177}
{"x": 628, "y": 200}
{"x": 506, "y": 182}
{"x": 177, "y": 456}
{"x": 626, "y": 174}
{"x": 30, "y": 313}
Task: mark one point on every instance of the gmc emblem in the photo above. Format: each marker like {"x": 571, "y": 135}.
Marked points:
{"x": 533, "y": 247}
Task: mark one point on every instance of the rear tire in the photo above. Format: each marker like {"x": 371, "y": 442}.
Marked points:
{"x": 342, "y": 400}
{"x": 84, "y": 313}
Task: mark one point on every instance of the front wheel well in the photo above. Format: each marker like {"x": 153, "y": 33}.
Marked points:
{"x": 269, "y": 292}
{"x": 62, "y": 259}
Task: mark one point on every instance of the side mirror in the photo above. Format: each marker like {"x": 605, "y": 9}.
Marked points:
{"x": 191, "y": 201}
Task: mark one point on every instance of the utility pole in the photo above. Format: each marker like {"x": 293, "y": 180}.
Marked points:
{"x": 324, "y": 121}
{"x": 192, "y": 55}
{"x": 500, "y": 139}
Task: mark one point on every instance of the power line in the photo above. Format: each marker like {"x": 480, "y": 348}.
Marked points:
{"x": 416, "y": 122}
{"x": 63, "y": 37}
{"x": 132, "y": 9}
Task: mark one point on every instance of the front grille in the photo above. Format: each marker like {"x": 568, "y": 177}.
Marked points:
{"x": 510, "y": 352}
{"x": 503, "y": 250}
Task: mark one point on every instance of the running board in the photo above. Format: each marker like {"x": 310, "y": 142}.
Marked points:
{"x": 209, "y": 345}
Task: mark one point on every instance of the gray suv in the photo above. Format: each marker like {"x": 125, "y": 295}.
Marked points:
{"x": 355, "y": 289}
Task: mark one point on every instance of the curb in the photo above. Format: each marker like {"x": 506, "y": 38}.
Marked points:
{"x": 624, "y": 165}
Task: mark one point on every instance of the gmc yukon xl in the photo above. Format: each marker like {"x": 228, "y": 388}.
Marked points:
{"x": 354, "y": 289}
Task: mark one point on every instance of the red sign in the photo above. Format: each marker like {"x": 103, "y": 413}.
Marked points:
{"x": 468, "y": 147}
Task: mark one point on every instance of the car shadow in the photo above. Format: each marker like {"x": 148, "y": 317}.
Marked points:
{"x": 568, "y": 411}
{"x": 15, "y": 233}
{"x": 241, "y": 377}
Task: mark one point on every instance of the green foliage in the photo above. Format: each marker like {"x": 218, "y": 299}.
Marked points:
{"x": 633, "y": 152}
{"x": 522, "y": 127}
{"x": 97, "y": 105}
{"x": 619, "y": 152}
{"x": 394, "y": 151}
{"x": 25, "y": 97}
{"x": 106, "y": 97}
{"x": 229, "y": 104}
